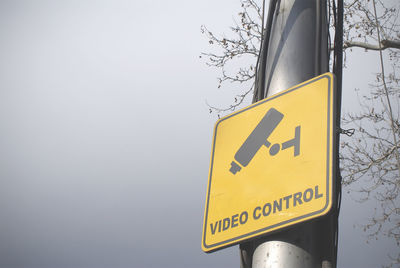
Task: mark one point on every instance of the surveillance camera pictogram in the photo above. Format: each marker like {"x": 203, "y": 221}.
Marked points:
{"x": 259, "y": 137}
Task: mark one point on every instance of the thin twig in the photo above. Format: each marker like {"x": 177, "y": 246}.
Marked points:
{"x": 386, "y": 90}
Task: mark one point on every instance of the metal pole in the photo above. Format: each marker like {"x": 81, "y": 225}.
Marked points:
{"x": 297, "y": 51}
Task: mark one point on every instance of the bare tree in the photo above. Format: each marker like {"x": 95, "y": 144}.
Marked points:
{"x": 244, "y": 43}
{"x": 370, "y": 158}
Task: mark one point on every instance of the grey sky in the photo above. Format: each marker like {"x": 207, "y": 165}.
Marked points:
{"x": 105, "y": 136}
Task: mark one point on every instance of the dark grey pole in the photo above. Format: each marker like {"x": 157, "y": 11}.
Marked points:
{"x": 298, "y": 45}
{"x": 297, "y": 51}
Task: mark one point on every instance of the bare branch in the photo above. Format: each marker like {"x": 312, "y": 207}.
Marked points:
{"x": 384, "y": 45}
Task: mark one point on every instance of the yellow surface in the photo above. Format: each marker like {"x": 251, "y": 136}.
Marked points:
{"x": 268, "y": 178}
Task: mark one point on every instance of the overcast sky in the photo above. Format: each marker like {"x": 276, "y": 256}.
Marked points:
{"x": 105, "y": 135}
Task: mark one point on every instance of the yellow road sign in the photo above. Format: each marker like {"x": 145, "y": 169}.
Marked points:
{"x": 271, "y": 165}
